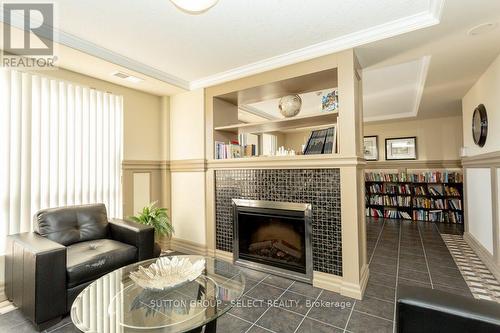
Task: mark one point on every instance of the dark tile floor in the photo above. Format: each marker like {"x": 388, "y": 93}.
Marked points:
{"x": 399, "y": 252}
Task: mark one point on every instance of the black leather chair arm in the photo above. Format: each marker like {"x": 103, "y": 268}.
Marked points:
{"x": 429, "y": 310}
{"x": 35, "y": 274}
{"x": 139, "y": 235}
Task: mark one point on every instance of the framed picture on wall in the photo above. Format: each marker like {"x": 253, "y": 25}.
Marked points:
{"x": 401, "y": 148}
{"x": 370, "y": 148}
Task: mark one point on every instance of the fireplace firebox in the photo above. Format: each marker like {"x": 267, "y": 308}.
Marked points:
{"x": 273, "y": 237}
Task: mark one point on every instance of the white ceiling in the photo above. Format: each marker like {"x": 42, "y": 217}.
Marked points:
{"x": 392, "y": 38}
{"x": 235, "y": 38}
{"x": 394, "y": 91}
{"x": 457, "y": 59}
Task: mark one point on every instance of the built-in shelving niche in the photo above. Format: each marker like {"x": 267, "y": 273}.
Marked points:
{"x": 292, "y": 132}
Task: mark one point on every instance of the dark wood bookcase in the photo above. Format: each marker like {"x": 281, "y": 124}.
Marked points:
{"x": 435, "y": 197}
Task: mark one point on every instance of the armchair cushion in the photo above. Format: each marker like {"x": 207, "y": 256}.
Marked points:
{"x": 69, "y": 225}
{"x": 87, "y": 261}
{"x": 139, "y": 235}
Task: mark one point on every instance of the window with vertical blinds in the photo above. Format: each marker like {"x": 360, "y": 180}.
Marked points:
{"x": 60, "y": 144}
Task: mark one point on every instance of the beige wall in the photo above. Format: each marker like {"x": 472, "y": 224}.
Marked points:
{"x": 187, "y": 126}
{"x": 482, "y": 169}
{"x": 187, "y": 142}
{"x": 437, "y": 138}
{"x": 485, "y": 91}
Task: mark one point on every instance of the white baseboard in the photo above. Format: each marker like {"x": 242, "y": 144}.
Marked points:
{"x": 483, "y": 254}
{"x": 188, "y": 247}
{"x": 337, "y": 284}
{"x": 327, "y": 281}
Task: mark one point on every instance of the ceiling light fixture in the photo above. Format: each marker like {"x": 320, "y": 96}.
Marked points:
{"x": 194, "y": 6}
{"x": 482, "y": 28}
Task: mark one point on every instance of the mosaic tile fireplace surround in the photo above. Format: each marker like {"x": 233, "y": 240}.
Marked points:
{"x": 319, "y": 187}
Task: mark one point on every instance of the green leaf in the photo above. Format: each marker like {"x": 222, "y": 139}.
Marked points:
{"x": 156, "y": 217}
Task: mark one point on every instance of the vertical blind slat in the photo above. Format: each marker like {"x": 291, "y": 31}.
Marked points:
{"x": 5, "y": 89}
{"x": 60, "y": 144}
{"x": 25, "y": 218}
{"x": 15, "y": 152}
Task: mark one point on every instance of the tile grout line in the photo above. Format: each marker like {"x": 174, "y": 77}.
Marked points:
{"x": 262, "y": 315}
{"x": 308, "y": 310}
{"x": 259, "y": 282}
{"x": 425, "y": 255}
{"x": 397, "y": 277}
{"x": 249, "y": 322}
{"x": 376, "y": 243}
{"x": 350, "y": 314}
{"x": 372, "y": 315}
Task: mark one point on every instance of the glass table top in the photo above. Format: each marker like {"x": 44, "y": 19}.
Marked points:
{"x": 114, "y": 303}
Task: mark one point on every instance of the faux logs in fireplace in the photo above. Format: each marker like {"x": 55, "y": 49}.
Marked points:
{"x": 273, "y": 237}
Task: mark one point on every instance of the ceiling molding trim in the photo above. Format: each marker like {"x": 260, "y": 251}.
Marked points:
{"x": 424, "y": 69}
{"x": 382, "y": 31}
{"x": 386, "y": 30}
{"x": 79, "y": 44}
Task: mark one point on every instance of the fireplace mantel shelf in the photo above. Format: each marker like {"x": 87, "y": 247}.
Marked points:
{"x": 298, "y": 161}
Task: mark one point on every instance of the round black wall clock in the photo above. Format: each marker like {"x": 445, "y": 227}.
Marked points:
{"x": 479, "y": 125}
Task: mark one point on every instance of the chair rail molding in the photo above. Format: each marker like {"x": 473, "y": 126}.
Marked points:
{"x": 418, "y": 164}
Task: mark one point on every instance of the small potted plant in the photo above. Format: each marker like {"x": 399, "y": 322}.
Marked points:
{"x": 156, "y": 217}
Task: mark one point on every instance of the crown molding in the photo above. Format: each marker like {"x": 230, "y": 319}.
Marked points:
{"x": 369, "y": 35}
{"x": 382, "y": 31}
{"x": 420, "y": 85}
{"x": 82, "y": 45}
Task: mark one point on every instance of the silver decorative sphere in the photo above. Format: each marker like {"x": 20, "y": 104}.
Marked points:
{"x": 290, "y": 105}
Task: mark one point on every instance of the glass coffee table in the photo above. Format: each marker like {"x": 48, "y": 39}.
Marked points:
{"x": 115, "y": 304}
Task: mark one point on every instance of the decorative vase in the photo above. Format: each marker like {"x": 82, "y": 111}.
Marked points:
{"x": 290, "y": 105}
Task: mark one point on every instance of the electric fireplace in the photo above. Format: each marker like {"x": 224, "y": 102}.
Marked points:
{"x": 274, "y": 237}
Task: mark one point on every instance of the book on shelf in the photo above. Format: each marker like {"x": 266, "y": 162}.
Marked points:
{"x": 322, "y": 141}
{"x": 420, "y": 190}
{"x": 451, "y": 191}
{"x": 435, "y": 190}
{"x": 436, "y": 177}
{"x": 385, "y": 177}
{"x": 227, "y": 150}
{"x": 455, "y": 204}
{"x": 373, "y": 212}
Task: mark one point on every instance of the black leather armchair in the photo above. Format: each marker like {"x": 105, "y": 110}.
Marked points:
{"x": 71, "y": 247}
{"x": 429, "y": 310}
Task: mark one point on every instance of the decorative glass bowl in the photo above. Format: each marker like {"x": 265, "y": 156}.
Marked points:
{"x": 167, "y": 273}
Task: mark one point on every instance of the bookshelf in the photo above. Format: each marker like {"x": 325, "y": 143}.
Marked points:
{"x": 434, "y": 196}
{"x": 268, "y": 134}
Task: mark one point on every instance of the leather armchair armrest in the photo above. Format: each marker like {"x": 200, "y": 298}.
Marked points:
{"x": 139, "y": 235}
{"x": 35, "y": 276}
{"x": 428, "y": 310}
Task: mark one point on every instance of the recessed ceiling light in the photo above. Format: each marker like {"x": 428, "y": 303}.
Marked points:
{"x": 127, "y": 77}
{"x": 482, "y": 28}
{"x": 194, "y": 6}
